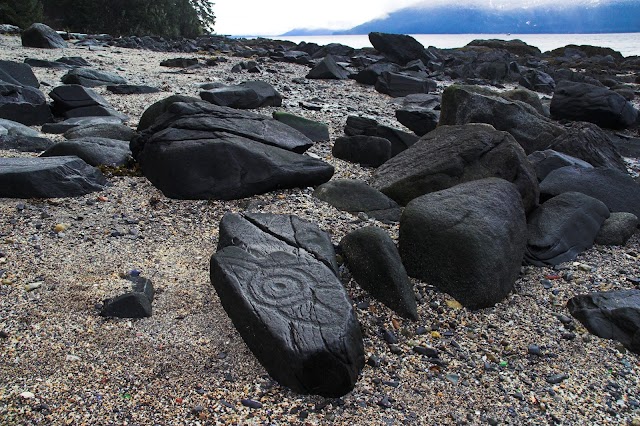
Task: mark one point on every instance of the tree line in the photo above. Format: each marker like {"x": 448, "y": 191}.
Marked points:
{"x": 167, "y": 18}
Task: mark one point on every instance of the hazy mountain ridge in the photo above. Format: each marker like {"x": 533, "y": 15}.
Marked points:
{"x": 613, "y": 17}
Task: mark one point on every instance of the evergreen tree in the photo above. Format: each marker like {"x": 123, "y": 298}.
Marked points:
{"x": 22, "y": 13}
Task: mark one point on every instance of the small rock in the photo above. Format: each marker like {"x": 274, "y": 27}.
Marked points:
{"x": 250, "y": 403}
{"x": 384, "y": 402}
{"x": 374, "y": 361}
{"x": 534, "y": 350}
{"x": 389, "y": 337}
{"x": 27, "y": 395}
{"x": 72, "y": 358}
{"x": 426, "y": 350}
{"x": 554, "y": 379}
{"x": 33, "y": 286}
{"x": 3, "y": 334}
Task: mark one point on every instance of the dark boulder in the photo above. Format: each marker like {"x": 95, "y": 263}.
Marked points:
{"x": 418, "y": 119}
{"x": 179, "y": 62}
{"x": 74, "y": 61}
{"x": 611, "y": 315}
{"x": 528, "y": 97}
{"x": 451, "y": 155}
{"x": 598, "y": 105}
{"x": 370, "y": 74}
{"x": 48, "y": 177}
{"x": 24, "y": 104}
{"x": 374, "y": 262}
{"x": 94, "y": 151}
{"x": 617, "y": 229}
{"x": 467, "y": 240}
{"x": 247, "y": 95}
{"x": 104, "y": 130}
{"x": 314, "y": 130}
{"x": 368, "y": 151}
{"x": 328, "y": 69}
{"x": 132, "y": 89}
{"x": 539, "y": 81}
{"x": 563, "y": 227}
{"x": 25, "y": 143}
{"x": 128, "y": 305}
{"x": 615, "y": 189}
{"x": 399, "y": 48}
{"x": 42, "y": 63}
{"x": 72, "y": 96}
{"x": 399, "y": 139}
{"x": 356, "y": 196}
{"x": 155, "y": 110}
{"x": 544, "y": 162}
{"x": 95, "y": 111}
{"x": 18, "y": 74}
{"x": 398, "y": 84}
{"x": 90, "y": 77}
{"x": 42, "y": 36}
{"x": 13, "y": 128}
{"x": 516, "y": 47}
{"x": 70, "y": 123}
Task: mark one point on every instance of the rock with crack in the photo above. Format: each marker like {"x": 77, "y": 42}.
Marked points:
{"x": 287, "y": 304}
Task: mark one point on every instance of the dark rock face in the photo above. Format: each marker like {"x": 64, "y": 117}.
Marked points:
{"x": 516, "y": 47}
{"x": 356, "y": 196}
{"x": 90, "y": 77}
{"x": 25, "y": 143}
{"x": 563, "y": 227}
{"x": 131, "y": 89}
{"x": 203, "y": 151}
{"x": 72, "y": 96}
{"x": 399, "y": 48}
{"x": 399, "y": 139}
{"x": 18, "y": 74}
{"x": 43, "y": 36}
{"x": 24, "y": 104}
{"x": 48, "y": 177}
{"x": 290, "y": 309}
{"x": 105, "y": 130}
{"x": 328, "y": 69}
{"x": 370, "y": 74}
{"x": 398, "y": 84}
{"x": 368, "y": 151}
{"x": 70, "y": 123}
{"x": 598, "y": 105}
{"x": 420, "y": 120}
{"x": 179, "y": 62}
{"x": 616, "y": 189}
{"x": 617, "y": 229}
{"x": 312, "y": 129}
{"x": 467, "y": 240}
{"x": 610, "y": 315}
{"x": 94, "y": 151}
{"x": 472, "y": 104}
{"x": 157, "y": 109}
{"x": 451, "y": 155}
{"x": 95, "y": 111}
{"x": 375, "y": 264}
{"x": 247, "y": 95}
{"x": 538, "y": 81}
{"x": 544, "y": 162}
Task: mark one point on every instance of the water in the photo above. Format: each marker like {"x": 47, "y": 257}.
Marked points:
{"x": 626, "y": 43}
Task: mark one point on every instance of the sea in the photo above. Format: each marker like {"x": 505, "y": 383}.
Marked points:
{"x": 628, "y": 44}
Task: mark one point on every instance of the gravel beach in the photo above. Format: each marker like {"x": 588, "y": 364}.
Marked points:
{"x": 525, "y": 361}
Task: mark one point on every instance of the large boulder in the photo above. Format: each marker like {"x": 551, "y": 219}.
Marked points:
{"x": 24, "y": 104}
{"x": 375, "y": 264}
{"x": 598, "y": 105}
{"x": 290, "y": 309}
{"x": 399, "y": 84}
{"x": 617, "y": 229}
{"x": 611, "y": 315}
{"x": 418, "y": 119}
{"x": 472, "y": 104}
{"x": 48, "y": 177}
{"x": 616, "y": 189}
{"x": 328, "y": 69}
{"x": 247, "y": 95}
{"x": 400, "y": 140}
{"x": 94, "y": 151}
{"x": 539, "y": 81}
{"x": 71, "y": 96}
{"x": 370, "y": 74}
{"x": 43, "y": 36}
{"x": 90, "y": 77}
{"x": 399, "y": 48}
{"x": 563, "y": 227}
{"x": 467, "y": 240}
{"x": 158, "y": 108}
{"x": 104, "y": 130}
{"x": 368, "y": 151}
{"x": 17, "y": 73}
{"x": 355, "y": 196}
{"x": 544, "y": 162}
{"x": 314, "y": 130}
{"x": 451, "y": 155}
{"x": 204, "y": 151}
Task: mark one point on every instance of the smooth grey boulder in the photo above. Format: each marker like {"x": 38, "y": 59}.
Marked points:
{"x": 563, "y": 227}
{"x": 314, "y": 130}
{"x": 13, "y": 128}
{"x": 70, "y": 123}
{"x": 418, "y": 119}
{"x": 400, "y": 140}
{"x": 399, "y": 84}
{"x": 616, "y": 189}
{"x": 611, "y": 315}
{"x": 356, "y": 196}
{"x": 290, "y": 309}
{"x": 368, "y": 151}
{"x": 467, "y": 240}
{"x": 374, "y": 262}
{"x": 23, "y": 104}
{"x": 544, "y": 162}
{"x": 247, "y": 95}
{"x": 103, "y": 130}
{"x": 17, "y": 73}
{"x": 25, "y": 143}
{"x": 48, "y": 177}
{"x": 264, "y": 233}
{"x": 156, "y": 109}
{"x": 42, "y": 36}
{"x": 451, "y": 155}
{"x": 328, "y": 69}
{"x": 473, "y": 104}
{"x": 598, "y": 105}
{"x": 90, "y": 77}
{"x": 617, "y": 229}
{"x": 94, "y": 151}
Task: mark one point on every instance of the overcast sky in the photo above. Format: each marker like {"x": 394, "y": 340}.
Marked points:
{"x": 275, "y": 17}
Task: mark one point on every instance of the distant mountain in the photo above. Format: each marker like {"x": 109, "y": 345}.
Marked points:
{"x": 611, "y": 17}
{"x": 310, "y": 32}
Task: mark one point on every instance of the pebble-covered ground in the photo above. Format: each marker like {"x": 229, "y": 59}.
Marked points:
{"x": 523, "y": 362}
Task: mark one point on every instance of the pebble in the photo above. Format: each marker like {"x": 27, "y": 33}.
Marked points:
{"x": 27, "y": 395}
{"x": 389, "y": 337}
{"x": 546, "y": 284}
{"x": 554, "y": 379}
{"x": 384, "y": 402}
{"x": 251, "y": 403}
{"x": 60, "y": 227}
{"x": 72, "y": 358}
{"x": 426, "y": 350}
{"x": 33, "y": 286}
{"x": 374, "y": 361}
{"x": 3, "y": 334}
{"x": 534, "y": 350}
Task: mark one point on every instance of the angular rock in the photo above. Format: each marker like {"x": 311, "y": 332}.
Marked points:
{"x": 398, "y": 84}
{"x": 517, "y": 47}
{"x": 90, "y": 77}
{"x": 70, "y": 123}
{"x": 18, "y": 74}
{"x": 94, "y": 151}
{"x": 399, "y": 48}
{"x": 25, "y": 143}
{"x": 132, "y": 89}
{"x": 179, "y": 62}
{"x": 104, "y": 130}
{"x": 48, "y": 177}
{"x": 544, "y": 162}
{"x": 467, "y": 240}
{"x": 128, "y": 305}
{"x": 157, "y": 109}
{"x": 617, "y": 229}
{"x": 247, "y": 95}
{"x": 611, "y": 315}
{"x": 328, "y": 69}
{"x": 598, "y": 105}
{"x": 375, "y": 264}
{"x": 71, "y": 96}
{"x": 42, "y": 63}
{"x": 418, "y": 119}
{"x": 74, "y": 61}
{"x": 368, "y": 151}
{"x": 399, "y": 139}
{"x": 23, "y": 104}
{"x": 563, "y": 227}
{"x": 370, "y": 74}
{"x": 616, "y": 189}
{"x": 538, "y": 81}
{"x": 95, "y": 111}
{"x": 314, "y": 130}
{"x": 43, "y": 36}
{"x": 472, "y": 104}
{"x": 451, "y": 155}
{"x": 13, "y": 128}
